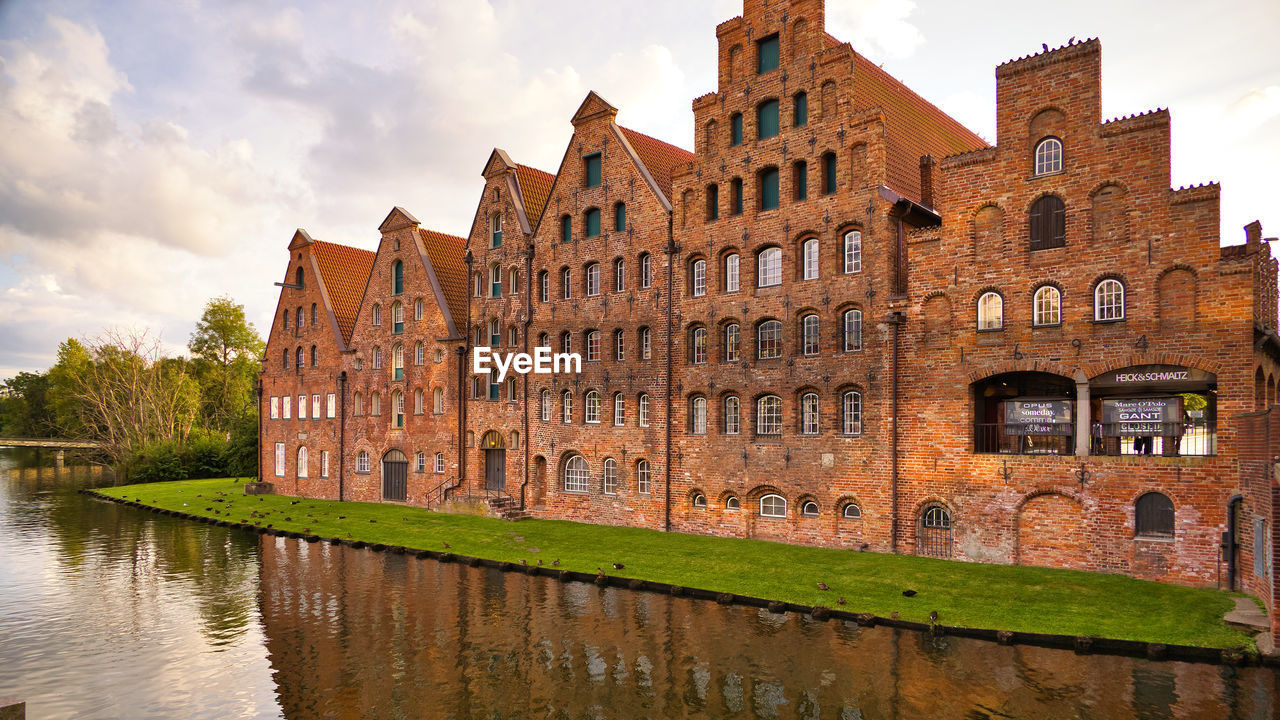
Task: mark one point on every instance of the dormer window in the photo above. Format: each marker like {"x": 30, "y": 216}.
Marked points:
{"x": 1049, "y": 156}
{"x": 767, "y": 54}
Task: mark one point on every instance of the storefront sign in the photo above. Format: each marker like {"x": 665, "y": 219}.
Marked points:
{"x": 1038, "y": 417}
{"x": 1173, "y": 377}
{"x": 1133, "y": 417}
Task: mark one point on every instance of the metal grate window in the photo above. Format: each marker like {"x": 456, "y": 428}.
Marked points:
{"x": 933, "y": 535}
{"x": 1153, "y": 516}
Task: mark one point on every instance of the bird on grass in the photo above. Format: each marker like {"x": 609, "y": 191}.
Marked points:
{"x": 446, "y": 546}
{"x": 618, "y": 566}
{"x": 893, "y": 615}
{"x": 599, "y": 573}
{"x": 294, "y": 502}
{"x": 555, "y": 563}
{"x": 908, "y": 593}
{"x": 933, "y": 616}
{"x": 539, "y": 562}
{"x": 823, "y": 586}
{"x": 840, "y": 601}
{"x": 524, "y": 562}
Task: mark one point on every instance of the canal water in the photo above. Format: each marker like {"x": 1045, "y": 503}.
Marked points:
{"x": 113, "y": 612}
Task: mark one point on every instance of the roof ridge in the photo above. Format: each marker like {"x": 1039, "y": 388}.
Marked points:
{"x": 903, "y": 86}
{"x": 672, "y": 146}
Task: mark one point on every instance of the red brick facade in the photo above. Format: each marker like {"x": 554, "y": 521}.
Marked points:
{"x": 797, "y": 306}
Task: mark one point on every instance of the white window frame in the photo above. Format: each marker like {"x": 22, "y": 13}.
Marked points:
{"x": 699, "y": 278}
{"x": 810, "y": 414}
{"x": 851, "y": 412}
{"x": 774, "y": 501}
{"x": 331, "y": 406}
{"x": 279, "y": 465}
{"x": 852, "y": 330}
{"x": 811, "y": 255}
{"x": 1047, "y": 307}
{"x": 646, "y": 271}
{"x": 302, "y": 407}
{"x": 324, "y": 463}
{"x": 609, "y": 480}
{"x": 619, "y": 409}
{"x": 732, "y": 342}
{"x": 698, "y": 416}
{"x": 769, "y": 267}
{"x": 643, "y": 477}
{"x": 567, "y": 399}
{"x": 732, "y": 415}
{"x": 772, "y": 344}
{"x": 593, "y": 280}
{"x": 643, "y": 413}
{"x": 1109, "y": 301}
{"x": 577, "y": 475}
{"x": 853, "y": 252}
{"x": 439, "y": 463}
{"x": 288, "y": 408}
{"x": 275, "y": 407}
{"x": 546, "y": 405}
{"x": 732, "y": 272}
{"x": 1048, "y": 156}
{"x": 315, "y": 406}
{"x": 769, "y": 415}
{"x": 591, "y": 408}
{"x": 698, "y": 346}
{"x": 362, "y": 462}
{"x": 809, "y": 337}
{"x": 990, "y": 311}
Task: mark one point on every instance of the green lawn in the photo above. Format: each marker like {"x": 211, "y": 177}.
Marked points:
{"x": 964, "y": 594}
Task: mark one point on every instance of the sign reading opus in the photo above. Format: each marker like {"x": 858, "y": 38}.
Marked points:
{"x": 1132, "y": 417}
{"x": 1038, "y": 417}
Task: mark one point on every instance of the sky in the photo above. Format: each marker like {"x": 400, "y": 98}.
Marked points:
{"x": 157, "y": 153}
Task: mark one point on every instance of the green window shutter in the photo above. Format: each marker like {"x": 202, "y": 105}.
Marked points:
{"x": 802, "y": 109}
{"x": 768, "y": 54}
{"x": 397, "y": 271}
{"x": 736, "y": 129}
{"x": 497, "y": 238}
{"x": 620, "y": 218}
{"x": 566, "y": 229}
{"x": 593, "y": 170}
{"x": 829, "y": 173}
{"x": 713, "y": 202}
{"x": 767, "y": 119}
{"x": 593, "y": 223}
{"x": 769, "y": 189}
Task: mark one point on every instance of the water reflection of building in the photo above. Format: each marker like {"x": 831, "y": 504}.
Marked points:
{"x": 355, "y": 634}
{"x": 842, "y": 320}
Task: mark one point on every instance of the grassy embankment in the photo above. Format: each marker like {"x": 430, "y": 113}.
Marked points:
{"x": 1022, "y": 599}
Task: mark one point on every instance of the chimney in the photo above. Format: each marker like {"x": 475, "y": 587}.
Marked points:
{"x": 1253, "y": 233}
{"x": 926, "y": 181}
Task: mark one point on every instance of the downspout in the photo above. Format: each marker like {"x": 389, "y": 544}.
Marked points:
{"x": 342, "y": 432}
{"x": 469, "y": 259}
{"x": 896, "y": 319}
{"x": 260, "y": 424}
{"x": 528, "y": 323}
{"x": 671, "y": 264}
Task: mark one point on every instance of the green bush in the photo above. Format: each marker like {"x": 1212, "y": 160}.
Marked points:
{"x": 205, "y": 457}
{"x": 241, "y": 455}
{"x": 156, "y": 463}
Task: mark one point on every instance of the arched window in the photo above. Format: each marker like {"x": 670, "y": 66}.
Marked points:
{"x": 477, "y": 284}
{"x": 851, "y": 413}
{"x": 576, "y": 475}
{"x": 298, "y": 318}
{"x": 1108, "y": 301}
{"x": 642, "y": 416}
{"x": 375, "y": 403}
{"x": 853, "y": 251}
{"x": 566, "y": 229}
{"x": 417, "y": 309}
{"x": 810, "y": 254}
{"x": 698, "y": 277}
{"x": 1153, "y": 516}
{"x": 419, "y": 353}
{"x": 286, "y": 358}
{"x": 397, "y": 362}
{"x": 774, "y": 506}
{"x": 419, "y": 401}
{"x": 767, "y": 119}
{"x": 646, "y": 343}
{"x": 732, "y": 415}
{"x": 620, "y": 217}
{"x": 495, "y": 230}
{"x": 1048, "y": 156}
{"x": 646, "y": 271}
{"x": 1048, "y": 223}
{"x": 299, "y": 278}
{"x": 593, "y": 279}
{"x": 698, "y": 346}
{"x": 420, "y": 462}
{"x": 397, "y": 277}
{"x": 358, "y": 402}
{"x": 619, "y": 275}
{"x": 800, "y": 109}
{"x": 286, "y": 319}
{"x": 619, "y": 345}
{"x": 593, "y": 345}
{"x": 437, "y": 401}
{"x": 610, "y": 480}
{"x": 495, "y": 281}
{"x": 732, "y": 340}
{"x": 313, "y": 313}
{"x": 566, "y": 283}
{"x": 512, "y": 386}
{"x": 642, "y": 477}
{"x": 769, "y": 340}
{"x": 809, "y": 335}
{"x": 699, "y": 501}
{"x": 731, "y": 282}
{"x": 440, "y": 463}
{"x": 732, "y": 503}
{"x": 299, "y": 361}
{"x": 619, "y": 409}
{"x": 315, "y": 356}
{"x": 302, "y": 461}
{"x": 769, "y": 415}
{"x": 990, "y": 311}
{"x": 933, "y": 536}
{"x": 546, "y": 405}
{"x": 769, "y": 267}
{"x": 513, "y": 281}
{"x": 544, "y": 286}
{"x": 851, "y": 511}
{"x": 377, "y": 315}
{"x": 566, "y": 342}
{"x": 808, "y": 508}
{"x": 852, "y": 330}
{"x": 1047, "y": 306}
{"x": 362, "y": 462}
{"x": 592, "y": 406}
{"x": 809, "y": 414}
{"x": 698, "y": 416}
{"x": 566, "y": 399}
{"x": 735, "y": 129}
{"x": 397, "y": 318}
{"x": 592, "y": 222}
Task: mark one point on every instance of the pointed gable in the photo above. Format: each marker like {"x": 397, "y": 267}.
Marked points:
{"x": 593, "y": 107}
{"x": 344, "y": 273}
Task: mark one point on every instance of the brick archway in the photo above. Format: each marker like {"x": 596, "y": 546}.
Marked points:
{"x": 1051, "y": 531}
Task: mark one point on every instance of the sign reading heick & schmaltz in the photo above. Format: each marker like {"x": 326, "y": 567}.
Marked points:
{"x": 1133, "y": 417}
{"x": 1037, "y": 417}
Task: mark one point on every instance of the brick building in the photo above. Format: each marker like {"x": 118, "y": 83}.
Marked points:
{"x": 843, "y": 320}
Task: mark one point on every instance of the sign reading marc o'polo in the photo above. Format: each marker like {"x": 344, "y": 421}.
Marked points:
{"x": 1131, "y": 417}
{"x": 1038, "y": 417}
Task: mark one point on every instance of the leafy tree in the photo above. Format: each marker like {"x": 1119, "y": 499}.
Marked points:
{"x": 226, "y": 353}
{"x": 24, "y": 407}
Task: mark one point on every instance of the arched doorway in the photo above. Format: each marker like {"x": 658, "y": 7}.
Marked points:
{"x": 395, "y": 476}
{"x": 495, "y": 461}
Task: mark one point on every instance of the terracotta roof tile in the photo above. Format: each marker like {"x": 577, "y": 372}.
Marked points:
{"x": 913, "y": 126}
{"x": 445, "y": 253}
{"x": 345, "y": 271}
{"x": 659, "y": 158}
{"x": 535, "y": 188}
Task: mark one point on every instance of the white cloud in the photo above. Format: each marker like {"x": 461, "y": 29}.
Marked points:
{"x": 879, "y": 29}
